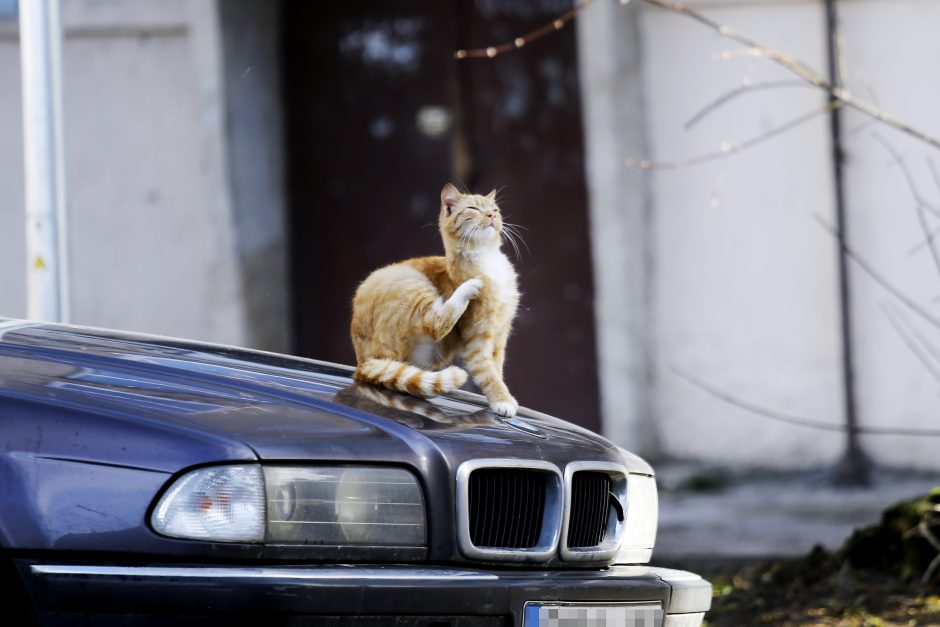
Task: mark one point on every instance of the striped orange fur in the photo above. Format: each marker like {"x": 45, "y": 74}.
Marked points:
{"x": 410, "y": 319}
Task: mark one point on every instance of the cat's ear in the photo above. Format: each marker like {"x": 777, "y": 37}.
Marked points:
{"x": 491, "y": 195}
{"x": 449, "y": 196}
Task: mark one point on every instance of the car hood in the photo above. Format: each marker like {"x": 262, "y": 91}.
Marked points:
{"x": 282, "y": 408}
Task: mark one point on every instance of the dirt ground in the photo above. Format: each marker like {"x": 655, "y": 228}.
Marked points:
{"x": 885, "y": 572}
{"x": 819, "y": 589}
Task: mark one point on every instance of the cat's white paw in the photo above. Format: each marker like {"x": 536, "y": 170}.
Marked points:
{"x": 470, "y": 289}
{"x": 506, "y": 409}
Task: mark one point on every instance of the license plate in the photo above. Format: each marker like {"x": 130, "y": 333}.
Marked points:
{"x": 593, "y": 614}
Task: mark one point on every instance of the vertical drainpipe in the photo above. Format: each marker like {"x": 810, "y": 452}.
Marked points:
{"x": 47, "y": 281}
{"x": 854, "y": 467}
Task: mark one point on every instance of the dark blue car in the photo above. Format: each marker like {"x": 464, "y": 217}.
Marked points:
{"x": 150, "y": 481}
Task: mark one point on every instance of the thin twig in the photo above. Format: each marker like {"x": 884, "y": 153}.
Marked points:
{"x": 493, "y": 51}
{"x": 877, "y": 276}
{"x": 933, "y": 234}
{"x": 731, "y": 94}
{"x": 908, "y": 176}
{"x": 792, "y": 64}
{"x": 797, "y": 420}
{"x": 923, "y": 341}
{"x": 924, "y": 527}
{"x": 927, "y": 242}
{"x": 933, "y": 172}
{"x": 728, "y": 148}
{"x": 921, "y": 202}
{"x": 801, "y": 70}
{"x": 895, "y": 318}
{"x": 925, "y": 228}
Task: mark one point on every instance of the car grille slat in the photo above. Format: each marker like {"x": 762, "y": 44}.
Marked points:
{"x": 587, "y": 496}
{"x": 522, "y": 511}
{"x": 506, "y": 507}
{"x": 589, "y": 509}
{"x": 500, "y": 514}
{"x": 581, "y": 498}
{"x": 537, "y": 507}
{"x": 603, "y": 508}
{"x": 598, "y": 509}
{"x": 529, "y": 536}
{"x": 514, "y": 538}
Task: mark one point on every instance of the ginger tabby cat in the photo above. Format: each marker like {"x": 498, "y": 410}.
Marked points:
{"x": 411, "y": 318}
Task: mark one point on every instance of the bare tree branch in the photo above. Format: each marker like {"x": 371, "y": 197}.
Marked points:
{"x": 919, "y": 199}
{"x": 879, "y": 278}
{"x": 924, "y": 527}
{"x": 801, "y": 70}
{"x": 728, "y": 148}
{"x": 898, "y": 158}
{"x": 555, "y": 25}
{"x": 796, "y": 420}
{"x": 794, "y": 65}
{"x": 933, "y": 172}
{"x": 916, "y": 248}
{"x": 923, "y": 341}
{"x": 731, "y": 94}
{"x": 925, "y": 229}
{"x": 873, "y": 96}
{"x": 898, "y": 322}
{"x": 933, "y": 234}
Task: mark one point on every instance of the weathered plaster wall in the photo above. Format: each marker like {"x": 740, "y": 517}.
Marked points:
{"x": 741, "y": 280}
{"x": 165, "y": 201}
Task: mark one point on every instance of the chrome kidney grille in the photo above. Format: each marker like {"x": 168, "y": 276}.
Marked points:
{"x": 506, "y": 507}
{"x": 519, "y": 510}
{"x": 590, "y": 505}
{"x": 594, "y": 511}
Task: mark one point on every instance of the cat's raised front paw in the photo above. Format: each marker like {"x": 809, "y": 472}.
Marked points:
{"x": 470, "y": 289}
{"x": 505, "y": 408}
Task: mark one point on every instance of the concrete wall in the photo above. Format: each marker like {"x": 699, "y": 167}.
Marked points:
{"x": 745, "y": 280}
{"x": 742, "y": 281}
{"x": 890, "y": 50}
{"x": 610, "y": 68}
{"x": 164, "y": 238}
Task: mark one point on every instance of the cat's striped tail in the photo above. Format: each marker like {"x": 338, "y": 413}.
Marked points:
{"x": 397, "y": 375}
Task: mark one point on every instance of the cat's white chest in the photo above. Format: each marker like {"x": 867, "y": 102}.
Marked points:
{"x": 502, "y": 277}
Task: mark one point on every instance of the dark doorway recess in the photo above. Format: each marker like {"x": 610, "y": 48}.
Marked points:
{"x": 380, "y": 116}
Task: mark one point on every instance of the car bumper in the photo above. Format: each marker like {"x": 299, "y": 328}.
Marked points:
{"x": 114, "y": 594}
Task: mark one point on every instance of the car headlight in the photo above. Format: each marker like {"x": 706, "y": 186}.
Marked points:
{"x": 331, "y": 505}
{"x": 639, "y": 535}
{"x": 222, "y": 503}
{"x": 342, "y": 505}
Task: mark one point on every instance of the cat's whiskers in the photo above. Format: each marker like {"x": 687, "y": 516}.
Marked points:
{"x": 467, "y": 236}
{"x": 508, "y": 236}
{"x": 463, "y": 235}
{"x": 513, "y": 232}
